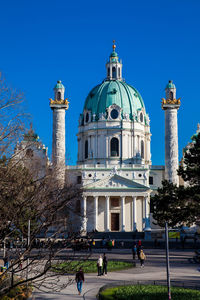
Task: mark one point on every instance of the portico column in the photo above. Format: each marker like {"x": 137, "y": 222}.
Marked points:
{"x": 134, "y": 213}
{"x": 146, "y": 212}
{"x": 122, "y": 213}
{"x": 95, "y": 212}
{"x": 84, "y": 212}
{"x": 107, "y": 213}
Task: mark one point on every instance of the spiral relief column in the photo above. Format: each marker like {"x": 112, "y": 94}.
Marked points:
{"x": 171, "y": 105}
{"x": 59, "y": 105}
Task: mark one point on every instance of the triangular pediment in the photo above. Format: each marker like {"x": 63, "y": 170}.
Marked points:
{"x": 116, "y": 182}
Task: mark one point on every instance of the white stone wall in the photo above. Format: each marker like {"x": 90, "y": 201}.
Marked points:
{"x": 171, "y": 145}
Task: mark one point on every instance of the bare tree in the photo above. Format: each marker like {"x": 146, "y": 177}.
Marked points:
{"x": 26, "y": 198}
{"x": 12, "y": 117}
{"x": 49, "y": 210}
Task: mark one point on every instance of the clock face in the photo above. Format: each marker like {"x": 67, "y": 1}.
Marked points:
{"x": 114, "y": 114}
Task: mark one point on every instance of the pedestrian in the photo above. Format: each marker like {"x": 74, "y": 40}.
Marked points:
{"x": 134, "y": 251}
{"x": 6, "y": 260}
{"x": 103, "y": 243}
{"x": 142, "y": 258}
{"x": 21, "y": 259}
{"x": 138, "y": 251}
{"x": 79, "y": 280}
{"x": 99, "y": 265}
{"x": 105, "y": 263}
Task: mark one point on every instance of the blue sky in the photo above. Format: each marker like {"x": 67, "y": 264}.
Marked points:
{"x": 45, "y": 41}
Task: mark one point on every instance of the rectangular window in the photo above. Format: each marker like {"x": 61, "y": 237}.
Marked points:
{"x": 150, "y": 179}
{"x": 78, "y": 179}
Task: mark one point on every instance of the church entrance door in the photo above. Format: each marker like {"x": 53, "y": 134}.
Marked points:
{"x": 114, "y": 222}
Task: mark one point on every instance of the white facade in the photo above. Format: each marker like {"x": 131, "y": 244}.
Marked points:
{"x": 115, "y": 178}
{"x": 114, "y": 157}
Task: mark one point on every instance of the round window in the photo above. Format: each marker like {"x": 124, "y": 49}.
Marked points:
{"x": 114, "y": 114}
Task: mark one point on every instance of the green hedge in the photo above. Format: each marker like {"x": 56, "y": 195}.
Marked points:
{"x": 147, "y": 292}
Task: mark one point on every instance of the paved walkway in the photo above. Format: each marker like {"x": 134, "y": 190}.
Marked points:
{"x": 182, "y": 272}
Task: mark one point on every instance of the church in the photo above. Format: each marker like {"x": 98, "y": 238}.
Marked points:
{"x": 114, "y": 152}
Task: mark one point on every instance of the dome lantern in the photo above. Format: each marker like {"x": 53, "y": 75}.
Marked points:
{"x": 170, "y": 90}
{"x": 114, "y": 67}
{"x": 59, "y": 91}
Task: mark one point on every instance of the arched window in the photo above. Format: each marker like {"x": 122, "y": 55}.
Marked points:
{"x": 142, "y": 149}
{"x": 86, "y": 149}
{"x": 113, "y": 72}
{"x": 108, "y": 72}
{"x": 119, "y": 72}
{"x": 114, "y": 147}
{"x": 58, "y": 95}
{"x": 171, "y": 96}
{"x": 87, "y": 118}
{"x": 141, "y": 117}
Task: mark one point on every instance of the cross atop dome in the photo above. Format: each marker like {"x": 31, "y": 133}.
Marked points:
{"x": 114, "y": 46}
{"x": 114, "y": 67}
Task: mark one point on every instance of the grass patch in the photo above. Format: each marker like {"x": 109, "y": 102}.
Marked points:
{"x": 89, "y": 266}
{"x": 147, "y": 292}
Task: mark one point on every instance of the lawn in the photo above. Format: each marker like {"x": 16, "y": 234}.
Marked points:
{"x": 147, "y": 292}
{"x": 89, "y": 266}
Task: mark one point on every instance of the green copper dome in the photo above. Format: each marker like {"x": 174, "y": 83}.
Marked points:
{"x": 114, "y": 92}
{"x": 59, "y": 85}
{"x": 113, "y": 54}
{"x": 170, "y": 85}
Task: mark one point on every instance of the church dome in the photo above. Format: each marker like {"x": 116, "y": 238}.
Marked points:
{"x": 114, "y": 92}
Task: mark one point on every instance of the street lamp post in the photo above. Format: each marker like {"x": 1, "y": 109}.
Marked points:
{"x": 167, "y": 260}
{"x": 28, "y": 244}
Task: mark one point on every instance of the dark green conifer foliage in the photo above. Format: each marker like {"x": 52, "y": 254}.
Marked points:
{"x": 181, "y": 205}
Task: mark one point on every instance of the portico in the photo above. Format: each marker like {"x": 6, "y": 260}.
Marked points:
{"x": 121, "y": 209}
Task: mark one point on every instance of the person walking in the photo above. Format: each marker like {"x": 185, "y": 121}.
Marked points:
{"x": 134, "y": 251}
{"x": 138, "y": 251}
{"x": 6, "y": 260}
{"x": 99, "y": 265}
{"x": 142, "y": 258}
{"x": 79, "y": 280}
{"x": 105, "y": 263}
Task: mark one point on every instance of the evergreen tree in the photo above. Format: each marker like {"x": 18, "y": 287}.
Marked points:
{"x": 190, "y": 171}
{"x": 181, "y": 205}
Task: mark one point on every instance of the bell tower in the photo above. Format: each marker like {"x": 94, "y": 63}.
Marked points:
{"x": 59, "y": 105}
{"x": 171, "y": 105}
{"x": 114, "y": 67}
